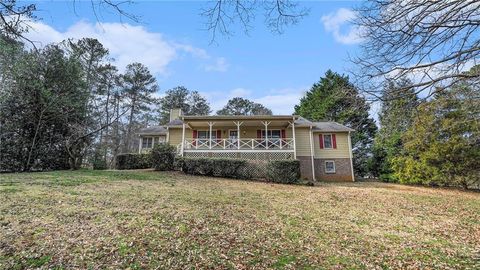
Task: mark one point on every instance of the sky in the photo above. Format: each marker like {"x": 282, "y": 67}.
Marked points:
{"x": 171, "y": 40}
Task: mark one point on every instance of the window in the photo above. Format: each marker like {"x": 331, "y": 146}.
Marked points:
{"x": 329, "y": 166}
{"x": 147, "y": 142}
{"x": 272, "y": 134}
{"x": 327, "y": 141}
{"x": 205, "y": 134}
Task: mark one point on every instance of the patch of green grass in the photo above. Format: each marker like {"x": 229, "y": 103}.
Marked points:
{"x": 284, "y": 261}
{"x": 38, "y": 262}
{"x": 10, "y": 190}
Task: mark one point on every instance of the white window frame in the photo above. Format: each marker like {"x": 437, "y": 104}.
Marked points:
{"x": 214, "y": 134}
{"x": 334, "y": 167}
{"x": 331, "y": 141}
{"x": 145, "y": 146}
{"x": 270, "y": 131}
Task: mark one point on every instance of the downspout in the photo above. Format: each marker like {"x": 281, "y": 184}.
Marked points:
{"x": 294, "y": 139}
{"x": 183, "y": 138}
{"x": 312, "y": 154}
{"x": 351, "y": 156}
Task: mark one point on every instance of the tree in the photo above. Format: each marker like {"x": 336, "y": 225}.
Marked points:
{"x": 15, "y": 20}
{"x": 221, "y": 15}
{"x": 396, "y": 115}
{"x": 431, "y": 42}
{"x": 335, "y": 98}
{"x": 40, "y": 111}
{"x": 191, "y": 103}
{"x": 138, "y": 85}
{"x": 243, "y": 106}
{"x": 442, "y": 147}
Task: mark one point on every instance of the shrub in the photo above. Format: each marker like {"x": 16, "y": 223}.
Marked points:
{"x": 163, "y": 157}
{"x": 133, "y": 161}
{"x": 283, "y": 171}
{"x": 221, "y": 167}
{"x": 99, "y": 164}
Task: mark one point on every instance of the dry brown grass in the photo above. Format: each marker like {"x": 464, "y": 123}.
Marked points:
{"x": 148, "y": 220}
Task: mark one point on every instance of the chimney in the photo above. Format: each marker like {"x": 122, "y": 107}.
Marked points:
{"x": 175, "y": 114}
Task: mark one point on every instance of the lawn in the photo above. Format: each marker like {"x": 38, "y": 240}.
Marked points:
{"x": 145, "y": 219}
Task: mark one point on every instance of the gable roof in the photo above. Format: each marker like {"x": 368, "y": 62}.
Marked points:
{"x": 153, "y": 130}
{"x": 330, "y": 127}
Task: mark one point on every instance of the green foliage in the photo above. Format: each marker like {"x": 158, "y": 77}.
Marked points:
{"x": 335, "y": 98}
{"x": 221, "y": 167}
{"x": 396, "y": 115}
{"x": 99, "y": 164}
{"x": 442, "y": 147}
{"x": 283, "y": 171}
{"x": 191, "y": 103}
{"x": 163, "y": 157}
{"x": 243, "y": 106}
{"x": 133, "y": 161}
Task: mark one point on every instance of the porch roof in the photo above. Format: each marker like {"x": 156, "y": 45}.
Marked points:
{"x": 237, "y": 117}
{"x": 153, "y": 130}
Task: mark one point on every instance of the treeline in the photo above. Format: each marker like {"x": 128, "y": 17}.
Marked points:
{"x": 66, "y": 104}
{"x": 430, "y": 142}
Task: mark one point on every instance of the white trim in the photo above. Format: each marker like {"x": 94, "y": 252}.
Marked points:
{"x": 331, "y": 141}
{"x": 183, "y": 139}
{"x": 351, "y": 156}
{"x": 294, "y": 139}
{"x": 312, "y": 154}
{"x": 334, "y": 167}
{"x": 236, "y": 151}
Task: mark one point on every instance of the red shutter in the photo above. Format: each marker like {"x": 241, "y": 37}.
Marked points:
{"x": 219, "y": 134}
{"x": 259, "y": 133}
{"x": 334, "y": 141}
{"x": 321, "y": 141}
{"x": 283, "y": 134}
{"x": 194, "y": 137}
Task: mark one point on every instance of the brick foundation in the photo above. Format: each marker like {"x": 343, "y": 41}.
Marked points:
{"x": 343, "y": 170}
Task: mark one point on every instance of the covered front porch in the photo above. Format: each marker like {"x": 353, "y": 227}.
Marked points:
{"x": 232, "y": 134}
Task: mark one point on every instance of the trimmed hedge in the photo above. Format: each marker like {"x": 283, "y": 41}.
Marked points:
{"x": 283, "y": 171}
{"x": 221, "y": 167}
{"x": 133, "y": 161}
{"x": 163, "y": 157}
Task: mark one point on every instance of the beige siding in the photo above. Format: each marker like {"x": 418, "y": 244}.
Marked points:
{"x": 302, "y": 141}
{"x": 175, "y": 135}
{"x": 342, "y": 150}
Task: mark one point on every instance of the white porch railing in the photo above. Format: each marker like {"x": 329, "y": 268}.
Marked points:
{"x": 240, "y": 144}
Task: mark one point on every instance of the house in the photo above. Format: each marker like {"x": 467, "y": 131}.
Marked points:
{"x": 323, "y": 148}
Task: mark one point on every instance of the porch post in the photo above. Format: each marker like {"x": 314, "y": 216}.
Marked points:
{"x": 266, "y": 133}
{"x": 183, "y": 138}
{"x": 140, "y": 145}
{"x": 294, "y": 139}
{"x": 210, "y": 139}
{"x": 238, "y": 133}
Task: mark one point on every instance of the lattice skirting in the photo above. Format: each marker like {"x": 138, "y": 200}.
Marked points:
{"x": 257, "y": 161}
{"x": 257, "y": 156}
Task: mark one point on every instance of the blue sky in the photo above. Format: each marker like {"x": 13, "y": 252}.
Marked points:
{"x": 170, "y": 39}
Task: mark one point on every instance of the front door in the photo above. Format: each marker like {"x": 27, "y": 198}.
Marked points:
{"x": 233, "y": 137}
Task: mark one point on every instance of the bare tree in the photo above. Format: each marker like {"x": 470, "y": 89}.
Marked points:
{"x": 221, "y": 15}
{"x": 16, "y": 19}
{"x": 432, "y": 42}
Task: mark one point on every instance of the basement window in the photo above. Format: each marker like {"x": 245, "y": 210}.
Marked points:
{"x": 329, "y": 166}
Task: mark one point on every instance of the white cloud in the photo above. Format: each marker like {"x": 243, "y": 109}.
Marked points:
{"x": 126, "y": 43}
{"x": 280, "y": 101}
{"x": 220, "y": 65}
{"x": 333, "y": 23}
